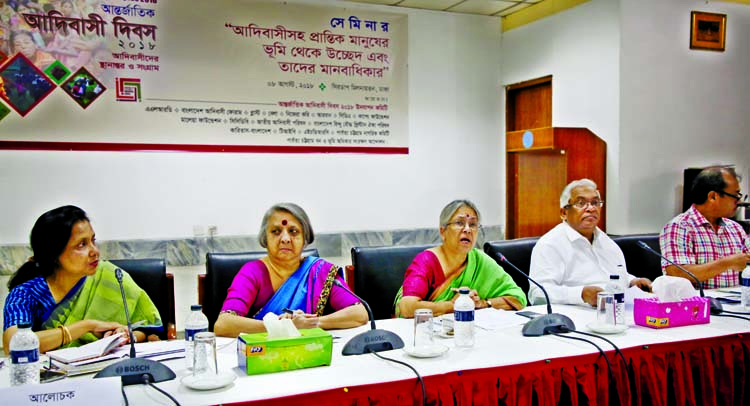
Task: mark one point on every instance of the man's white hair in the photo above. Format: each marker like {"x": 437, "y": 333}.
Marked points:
{"x": 565, "y": 196}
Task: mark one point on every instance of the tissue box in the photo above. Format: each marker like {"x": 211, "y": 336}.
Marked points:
{"x": 256, "y": 354}
{"x": 652, "y": 313}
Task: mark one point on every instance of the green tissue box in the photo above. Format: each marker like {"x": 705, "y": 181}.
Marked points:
{"x": 256, "y": 354}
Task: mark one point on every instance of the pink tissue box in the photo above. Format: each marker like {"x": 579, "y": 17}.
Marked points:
{"x": 655, "y": 314}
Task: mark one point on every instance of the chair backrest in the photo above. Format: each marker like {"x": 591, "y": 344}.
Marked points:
{"x": 640, "y": 262}
{"x": 151, "y": 275}
{"x": 379, "y": 273}
{"x": 221, "y": 268}
{"x": 518, "y": 252}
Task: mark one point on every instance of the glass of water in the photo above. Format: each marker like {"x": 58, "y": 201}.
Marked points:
{"x": 422, "y": 328}
{"x": 605, "y": 309}
{"x": 204, "y": 354}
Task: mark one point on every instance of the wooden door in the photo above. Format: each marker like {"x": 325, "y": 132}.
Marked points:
{"x": 536, "y": 179}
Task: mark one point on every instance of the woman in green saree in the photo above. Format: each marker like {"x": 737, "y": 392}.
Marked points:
{"x": 68, "y": 295}
{"x": 435, "y": 274}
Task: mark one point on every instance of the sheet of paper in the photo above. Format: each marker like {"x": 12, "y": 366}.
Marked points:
{"x": 492, "y": 319}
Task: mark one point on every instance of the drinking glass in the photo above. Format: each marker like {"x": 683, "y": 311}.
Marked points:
{"x": 422, "y": 328}
{"x": 204, "y": 354}
{"x": 605, "y": 309}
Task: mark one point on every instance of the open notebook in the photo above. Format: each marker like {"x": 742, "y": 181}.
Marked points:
{"x": 91, "y": 350}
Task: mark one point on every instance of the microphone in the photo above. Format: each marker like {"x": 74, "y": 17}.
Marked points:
{"x": 135, "y": 370}
{"x": 545, "y": 324}
{"x": 373, "y": 340}
{"x": 716, "y": 307}
{"x": 118, "y": 275}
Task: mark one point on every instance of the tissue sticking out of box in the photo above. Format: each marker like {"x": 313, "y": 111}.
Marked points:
{"x": 672, "y": 288}
{"x": 279, "y": 328}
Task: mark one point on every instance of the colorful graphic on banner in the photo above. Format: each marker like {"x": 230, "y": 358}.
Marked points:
{"x": 4, "y": 110}
{"x": 128, "y": 89}
{"x": 83, "y": 88}
{"x": 57, "y": 72}
{"x": 23, "y": 84}
{"x": 219, "y": 76}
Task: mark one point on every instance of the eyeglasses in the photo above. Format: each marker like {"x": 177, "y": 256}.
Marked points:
{"x": 738, "y": 197}
{"x": 459, "y": 225}
{"x": 582, "y": 204}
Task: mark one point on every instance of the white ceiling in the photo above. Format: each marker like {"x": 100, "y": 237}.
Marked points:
{"x": 497, "y": 8}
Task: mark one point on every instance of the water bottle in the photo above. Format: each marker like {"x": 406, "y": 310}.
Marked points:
{"x": 24, "y": 356}
{"x": 745, "y": 288}
{"x": 463, "y": 313}
{"x": 615, "y": 286}
{"x": 196, "y": 323}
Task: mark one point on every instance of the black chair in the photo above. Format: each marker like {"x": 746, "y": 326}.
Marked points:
{"x": 640, "y": 262}
{"x": 378, "y": 273}
{"x": 151, "y": 275}
{"x": 221, "y": 268}
{"x": 518, "y": 252}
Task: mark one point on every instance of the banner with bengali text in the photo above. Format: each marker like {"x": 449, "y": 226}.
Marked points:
{"x": 214, "y": 76}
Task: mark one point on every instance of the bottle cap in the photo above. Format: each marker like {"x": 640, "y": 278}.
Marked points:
{"x": 24, "y": 325}
{"x": 195, "y": 307}
{"x": 464, "y": 291}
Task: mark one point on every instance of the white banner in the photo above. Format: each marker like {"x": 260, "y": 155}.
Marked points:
{"x": 218, "y": 75}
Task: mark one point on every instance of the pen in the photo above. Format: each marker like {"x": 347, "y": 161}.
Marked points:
{"x": 285, "y": 310}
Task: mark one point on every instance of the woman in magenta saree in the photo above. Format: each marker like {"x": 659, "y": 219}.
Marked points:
{"x": 285, "y": 280}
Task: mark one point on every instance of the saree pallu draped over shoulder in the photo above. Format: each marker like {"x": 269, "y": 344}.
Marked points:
{"x": 98, "y": 297}
{"x": 481, "y": 273}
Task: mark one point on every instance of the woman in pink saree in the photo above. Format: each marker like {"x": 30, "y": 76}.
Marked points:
{"x": 285, "y": 280}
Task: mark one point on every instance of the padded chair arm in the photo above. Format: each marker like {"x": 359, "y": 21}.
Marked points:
{"x": 349, "y": 276}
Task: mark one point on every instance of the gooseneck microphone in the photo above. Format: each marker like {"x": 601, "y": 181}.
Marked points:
{"x": 118, "y": 275}
{"x": 716, "y": 307}
{"x": 373, "y": 340}
{"x": 550, "y": 323}
{"x": 135, "y": 370}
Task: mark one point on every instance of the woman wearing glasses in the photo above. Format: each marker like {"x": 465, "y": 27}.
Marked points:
{"x": 435, "y": 274}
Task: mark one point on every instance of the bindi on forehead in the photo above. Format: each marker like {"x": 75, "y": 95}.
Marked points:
{"x": 465, "y": 217}
{"x": 284, "y": 222}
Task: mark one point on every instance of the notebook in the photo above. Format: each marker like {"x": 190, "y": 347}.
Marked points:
{"x": 91, "y": 350}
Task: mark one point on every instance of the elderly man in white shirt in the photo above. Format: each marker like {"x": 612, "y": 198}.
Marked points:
{"x": 574, "y": 260}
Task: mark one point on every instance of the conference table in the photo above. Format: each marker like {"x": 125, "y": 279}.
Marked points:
{"x": 691, "y": 365}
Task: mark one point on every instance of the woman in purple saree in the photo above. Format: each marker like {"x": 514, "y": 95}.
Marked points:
{"x": 285, "y": 280}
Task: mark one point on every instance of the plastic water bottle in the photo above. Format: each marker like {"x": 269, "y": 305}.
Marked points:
{"x": 196, "y": 323}
{"x": 463, "y": 313}
{"x": 745, "y": 288}
{"x": 24, "y": 356}
{"x": 615, "y": 286}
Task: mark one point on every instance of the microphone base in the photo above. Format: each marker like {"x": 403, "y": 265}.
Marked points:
{"x": 132, "y": 371}
{"x": 373, "y": 341}
{"x": 547, "y": 324}
{"x": 715, "y": 306}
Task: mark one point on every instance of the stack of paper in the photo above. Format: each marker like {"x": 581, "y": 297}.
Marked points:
{"x": 80, "y": 363}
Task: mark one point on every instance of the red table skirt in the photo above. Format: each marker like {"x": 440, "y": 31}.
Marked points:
{"x": 701, "y": 372}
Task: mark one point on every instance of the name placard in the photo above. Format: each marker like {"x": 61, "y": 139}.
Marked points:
{"x": 68, "y": 392}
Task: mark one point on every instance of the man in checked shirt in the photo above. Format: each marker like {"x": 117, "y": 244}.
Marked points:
{"x": 703, "y": 239}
